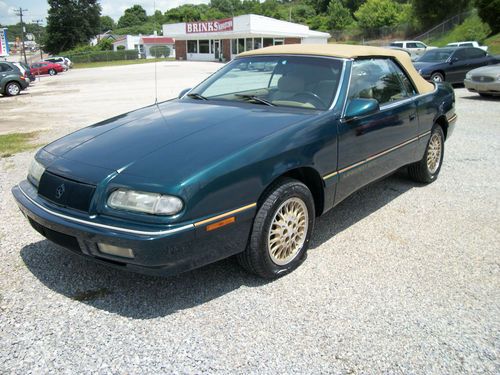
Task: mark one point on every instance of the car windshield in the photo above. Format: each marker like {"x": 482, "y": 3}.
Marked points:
{"x": 294, "y": 81}
{"x": 435, "y": 55}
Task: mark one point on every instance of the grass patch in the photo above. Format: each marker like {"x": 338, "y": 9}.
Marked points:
{"x": 100, "y": 64}
{"x": 493, "y": 42}
{"x": 11, "y": 144}
{"x": 473, "y": 28}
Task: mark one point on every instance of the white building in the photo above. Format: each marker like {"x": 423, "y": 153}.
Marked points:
{"x": 221, "y": 40}
{"x": 143, "y": 44}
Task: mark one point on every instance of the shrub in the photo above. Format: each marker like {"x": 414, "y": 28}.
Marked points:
{"x": 159, "y": 51}
{"x": 120, "y": 48}
{"x": 471, "y": 29}
{"x": 129, "y": 54}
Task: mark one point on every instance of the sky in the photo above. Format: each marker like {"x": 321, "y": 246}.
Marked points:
{"x": 37, "y": 9}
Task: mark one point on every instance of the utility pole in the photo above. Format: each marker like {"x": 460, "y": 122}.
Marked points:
{"x": 38, "y": 23}
{"x": 20, "y": 14}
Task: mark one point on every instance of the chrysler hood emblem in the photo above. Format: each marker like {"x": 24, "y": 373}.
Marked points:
{"x": 60, "y": 191}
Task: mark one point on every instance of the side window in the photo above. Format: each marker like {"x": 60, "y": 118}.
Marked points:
{"x": 460, "y": 54}
{"x": 411, "y": 45}
{"x": 475, "y": 53}
{"x": 376, "y": 79}
{"x": 399, "y": 45}
{"x": 420, "y": 45}
{"x": 5, "y": 68}
{"x": 407, "y": 85}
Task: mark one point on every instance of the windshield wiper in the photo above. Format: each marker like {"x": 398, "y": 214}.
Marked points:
{"x": 195, "y": 95}
{"x": 255, "y": 98}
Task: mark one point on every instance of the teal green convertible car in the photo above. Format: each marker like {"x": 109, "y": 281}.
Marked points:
{"x": 242, "y": 164}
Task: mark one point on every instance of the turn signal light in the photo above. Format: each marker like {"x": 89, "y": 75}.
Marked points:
{"x": 221, "y": 223}
{"x": 115, "y": 250}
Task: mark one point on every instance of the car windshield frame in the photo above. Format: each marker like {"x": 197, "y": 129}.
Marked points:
{"x": 334, "y": 66}
{"x": 437, "y": 51}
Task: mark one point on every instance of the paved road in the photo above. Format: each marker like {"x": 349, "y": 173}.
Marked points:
{"x": 400, "y": 278}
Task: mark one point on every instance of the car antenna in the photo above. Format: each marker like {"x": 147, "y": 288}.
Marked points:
{"x": 155, "y": 55}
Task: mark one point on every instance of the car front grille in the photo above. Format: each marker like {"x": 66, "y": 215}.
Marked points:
{"x": 66, "y": 193}
{"x": 482, "y": 79}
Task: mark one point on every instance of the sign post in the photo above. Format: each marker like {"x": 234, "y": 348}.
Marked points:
{"x": 4, "y": 43}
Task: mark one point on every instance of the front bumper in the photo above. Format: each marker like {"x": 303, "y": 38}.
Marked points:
{"x": 492, "y": 88}
{"x": 157, "y": 250}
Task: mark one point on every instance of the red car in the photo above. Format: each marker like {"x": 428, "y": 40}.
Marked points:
{"x": 44, "y": 67}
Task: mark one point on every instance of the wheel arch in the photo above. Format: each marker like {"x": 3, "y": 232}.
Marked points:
{"x": 443, "y": 122}
{"x": 440, "y": 72}
{"x": 309, "y": 177}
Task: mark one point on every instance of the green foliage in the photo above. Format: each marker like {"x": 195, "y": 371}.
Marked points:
{"x": 430, "y": 13}
{"x": 493, "y": 42}
{"x": 473, "y": 28}
{"x": 97, "y": 56}
{"x": 105, "y": 45}
{"x": 339, "y": 17}
{"x": 14, "y": 31}
{"x": 489, "y": 11}
{"x": 71, "y": 22}
{"x": 133, "y": 16}
{"x": 120, "y": 48}
{"x": 106, "y": 23}
{"x": 378, "y": 13}
{"x": 160, "y": 51}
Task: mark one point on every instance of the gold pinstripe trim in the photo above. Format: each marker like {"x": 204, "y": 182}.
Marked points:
{"x": 373, "y": 157}
{"x": 209, "y": 220}
{"x": 452, "y": 118}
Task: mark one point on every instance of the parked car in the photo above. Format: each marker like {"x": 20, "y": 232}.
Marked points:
{"x": 28, "y": 71}
{"x": 44, "y": 67}
{"x": 451, "y": 64}
{"x": 485, "y": 81}
{"x": 414, "y": 47}
{"x": 12, "y": 81}
{"x": 23, "y": 71}
{"x": 60, "y": 60}
{"x": 468, "y": 44}
{"x": 241, "y": 164}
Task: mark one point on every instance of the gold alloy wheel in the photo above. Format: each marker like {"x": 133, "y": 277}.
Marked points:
{"x": 434, "y": 153}
{"x": 288, "y": 231}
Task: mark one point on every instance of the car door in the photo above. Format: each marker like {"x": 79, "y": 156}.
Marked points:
{"x": 458, "y": 66}
{"x": 420, "y": 49}
{"x": 412, "y": 48}
{"x": 379, "y": 143}
{"x": 477, "y": 58}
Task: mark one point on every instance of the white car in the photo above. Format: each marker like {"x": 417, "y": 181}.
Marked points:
{"x": 414, "y": 47}
{"x": 469, "y": 43}
{"x": 23, "y": 71}
{"x": 64, "y": 61}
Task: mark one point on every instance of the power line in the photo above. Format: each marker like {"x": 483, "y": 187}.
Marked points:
{"x": 20, "y": 14}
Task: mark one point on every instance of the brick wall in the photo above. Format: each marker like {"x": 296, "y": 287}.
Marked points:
{"x": 292, "y": 40}
{"x": 180, "y": 49}
{"x": 226, "y": 49}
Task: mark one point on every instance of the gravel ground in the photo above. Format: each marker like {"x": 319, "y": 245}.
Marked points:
{"x": 400, "y": 278}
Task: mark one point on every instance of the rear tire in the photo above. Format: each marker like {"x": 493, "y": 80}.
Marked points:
{"x": 281, "y": 230}
{"x": 12, "y": 89}
{"x": 52, "y": 72}
{"x": 427, "y": 169}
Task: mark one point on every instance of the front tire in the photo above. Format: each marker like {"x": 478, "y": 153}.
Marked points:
{"x": 52, "y": 72}
{"x": 12, "y": 89}
{"x": 427, "y": 169}
{"x": 281, "y": 230}
{"x": 437, "y": 77}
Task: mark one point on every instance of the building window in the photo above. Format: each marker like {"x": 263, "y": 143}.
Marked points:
{"x": 278, "y": 42}
{"x": 257, "y": 43}
{"x": 204, "y": 46}
{"x": 234, "y": 47}
{"x": 192, "y": 46}
{"x": 241, "y": 45}
{"x": 268, "y": 42}
{"x": 249, "y": 44}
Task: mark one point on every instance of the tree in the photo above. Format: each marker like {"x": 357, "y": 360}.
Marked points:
{"x": 107, "y": 23}
{"x": 489, "y": 11}
{"x": 378, "y": 13}
{"x": 339, "y": 17}
{"x": 105, "y": 45}
{"x": 431, "y": 13}
{"x": 133, "y": 16}
{"x": 71, "y": 22}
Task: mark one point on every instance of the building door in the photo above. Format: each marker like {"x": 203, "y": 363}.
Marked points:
{"x": 216, "y": 50}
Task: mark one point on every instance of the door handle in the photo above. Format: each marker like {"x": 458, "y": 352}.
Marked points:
{"x": 413, "y": 116}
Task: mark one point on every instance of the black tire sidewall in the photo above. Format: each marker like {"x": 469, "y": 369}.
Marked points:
{"x": 258, "y": 242}
{"x": 433, "y": 176}
{"x": 52, "y": 72}
{"x": 437, "y": 74}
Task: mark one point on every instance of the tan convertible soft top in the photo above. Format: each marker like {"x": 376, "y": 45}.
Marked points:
{"x": 348, "y": 51}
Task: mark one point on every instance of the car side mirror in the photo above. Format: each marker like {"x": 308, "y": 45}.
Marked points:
{"x": 182, "y": 93}
{"x": 361, "y": 107}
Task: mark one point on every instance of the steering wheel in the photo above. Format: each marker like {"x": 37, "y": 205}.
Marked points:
{"x": 310, "y": 95}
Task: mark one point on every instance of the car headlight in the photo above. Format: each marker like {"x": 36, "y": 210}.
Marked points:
{"x": 35, "y": 172}
{"x": 498, "y": 77}
{"x": 420, "y": 71}
{"x": 150, "y": 203}
{"x": 468, "y": 76}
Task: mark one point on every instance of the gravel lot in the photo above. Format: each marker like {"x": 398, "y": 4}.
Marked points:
{"x": 400, "y": 278}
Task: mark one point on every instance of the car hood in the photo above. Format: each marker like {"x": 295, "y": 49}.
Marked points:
{"x": 492, "y": 70}
{"x": 169, "y": 141}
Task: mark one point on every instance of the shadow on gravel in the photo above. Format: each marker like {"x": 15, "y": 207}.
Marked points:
{"x": 146, "y": 297}
{"x": 482, "y": 98}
